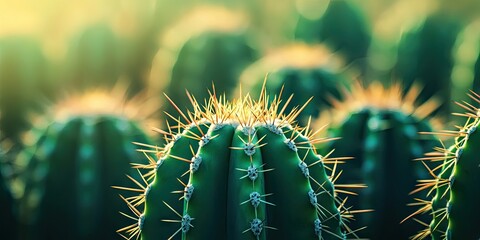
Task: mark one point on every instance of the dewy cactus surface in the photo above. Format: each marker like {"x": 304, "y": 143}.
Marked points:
{"x": 238, "y": 170}
{"x": 454, "y": 206}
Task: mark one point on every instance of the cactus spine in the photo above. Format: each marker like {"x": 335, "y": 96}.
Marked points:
{"x": 72, "y": 163}
{"x": 379, "y": 128}
{"x": 454, "y": 188}
{"x": 241, "y": 170}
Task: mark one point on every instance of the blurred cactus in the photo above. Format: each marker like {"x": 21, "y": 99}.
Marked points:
{"x": 379, "y": 128}
{"x": 466, "y": 71}
{"x": 303, "y": 70}
{"x": 242, "y": 170}
{"x": 342, "y": 27}
{"x": 425, "y": 55}
{"x": 71, "y": 162}
{"x": 94, "y": 58}
{"x": 9, "y": 226}
{"x": 215, "y": 50}
{"x": 452, "y": 204}
{"x": 24, "y": 82}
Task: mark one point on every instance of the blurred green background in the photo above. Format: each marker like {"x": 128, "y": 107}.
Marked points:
{"x": 52, "y": 49}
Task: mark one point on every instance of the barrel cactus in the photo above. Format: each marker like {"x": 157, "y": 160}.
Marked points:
{"x": 302, "y": 70}
{"x": 71, "y": 162}
{"x": 453, "y": 192}
{"x": 238, "y": 170}
{"x": 379, "y": 128}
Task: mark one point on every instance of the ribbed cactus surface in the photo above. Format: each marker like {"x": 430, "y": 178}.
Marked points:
{"x": 238, "y": 170}
{"x": 454, "y": 193}
{"x": 70, "y": 163}
{"x": 383, "y": 138}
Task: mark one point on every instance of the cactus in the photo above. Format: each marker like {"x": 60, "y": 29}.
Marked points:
{"x": 425, "y": 55}
{"x": 72, "y": 161}
{"x": 216, "y": 51}
{"x": 342, "y": 27}
{"x": 23, "y": 83}
{"x": 238, "y": 170}
{"x": 454, "y": 189}
{"x": 379, "y": 127}
{"x": 94, "y": 58}
{"x": 302, "y": 70}
{"x": 9, "y": 226}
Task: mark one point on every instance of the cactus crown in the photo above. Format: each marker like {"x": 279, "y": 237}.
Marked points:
{"x": 258, "y": 124}
{"x": 377, "y": 96}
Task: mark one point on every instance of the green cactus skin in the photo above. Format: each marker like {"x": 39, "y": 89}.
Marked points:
{"x": 211, "y": 57}
{"x": 23, "y": 83}
{"x": 384, "y": 144}
{"x": 379, "y": 127}
{"x": 238, "y": 177}
{"x": 342, "y": 27}
{"x": 455, "y": 194}
{"x": 9, "y": 225}
{"x": 69, "y": 174}
{"x": 425, "y": 56}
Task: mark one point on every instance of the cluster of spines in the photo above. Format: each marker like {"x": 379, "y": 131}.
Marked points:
{"x": 201, "y": 126}
{"x": 440, "y": 187}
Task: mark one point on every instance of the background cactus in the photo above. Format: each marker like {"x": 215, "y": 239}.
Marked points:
{"x": 9, "y": 225}
{"x": 24, "y": 81}
{"x": 425, "y": 55}
{"x": 303, "y": 70}
{"x": 454, "y": 188}
{"x": 342, "y": 27}
{"x": 72, "y": 161}
{"x": 379, "y": 127}
{"x": 215, "y": 49}
{"x": 267, "y": 180}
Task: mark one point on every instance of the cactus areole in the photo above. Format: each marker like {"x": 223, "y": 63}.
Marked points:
{"x": 238, "y": 170}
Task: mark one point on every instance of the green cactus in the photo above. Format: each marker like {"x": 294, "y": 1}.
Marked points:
{"x": 238, "y": 170}
{"x": 454, "y": 189}
{"x": 94, "y": 58}
{"x": 342, "y": 27}
{"x": 299, "y": 69}
{"x": 425, "y": 56}
{"x": 9, "y": 225}
{"x": 71, "y": 164}
{"x": 24, "y": 81}
{"x": 214, "y": 56}
{"x": 379, "y": 128}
